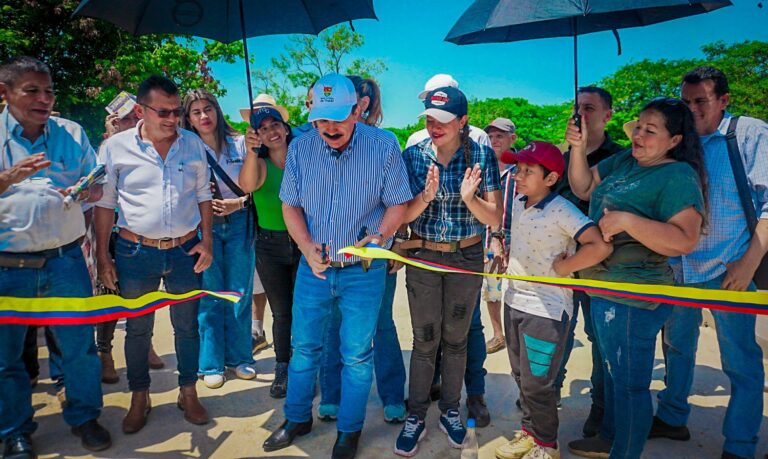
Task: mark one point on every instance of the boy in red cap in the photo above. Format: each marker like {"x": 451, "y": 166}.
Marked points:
{"x": 537, "y": 317}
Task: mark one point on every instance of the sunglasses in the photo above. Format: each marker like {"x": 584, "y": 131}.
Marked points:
{"x": 164, "y": 113}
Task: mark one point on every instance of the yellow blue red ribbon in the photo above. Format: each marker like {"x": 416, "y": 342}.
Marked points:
{"x": 72, "y": 311}
{"x": 724, "y": 300}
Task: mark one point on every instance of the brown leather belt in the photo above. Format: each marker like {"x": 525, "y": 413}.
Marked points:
{"x": 417, "y": 243}
{"x": 160, "y": 244}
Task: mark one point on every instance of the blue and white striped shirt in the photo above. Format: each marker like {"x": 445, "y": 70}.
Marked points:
{"x": 341, "y": 194}
{"x": 727, "y": 237}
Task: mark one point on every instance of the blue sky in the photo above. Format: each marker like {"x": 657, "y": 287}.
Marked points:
{"x": 409, "y": 38}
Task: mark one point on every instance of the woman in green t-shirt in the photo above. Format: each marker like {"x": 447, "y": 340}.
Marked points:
{"x": 648, "y": 201}
{"x": 277, "y": 256}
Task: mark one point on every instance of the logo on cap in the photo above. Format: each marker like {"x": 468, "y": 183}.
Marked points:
{"x": 439, "y": 99}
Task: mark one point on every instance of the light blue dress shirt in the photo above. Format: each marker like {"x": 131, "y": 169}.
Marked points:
{"x": 32, "y": 213}
{"x": 156, "y": 198}
{"x": 727, "y": 237}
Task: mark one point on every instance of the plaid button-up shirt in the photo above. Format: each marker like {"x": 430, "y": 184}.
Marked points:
{"x": 447, "y": 218}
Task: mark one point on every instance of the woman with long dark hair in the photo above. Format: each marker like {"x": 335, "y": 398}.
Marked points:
{"x": 649, "y": 201}
{"x": 225, "y": 332}
{"x": 277, "y": 255}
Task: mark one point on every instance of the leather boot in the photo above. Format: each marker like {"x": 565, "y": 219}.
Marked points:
{"x": 155, "y": 362}
{"x": 188, "y": 402}
{"x": 108, "y": 373}
{"x": 137, "y": 413}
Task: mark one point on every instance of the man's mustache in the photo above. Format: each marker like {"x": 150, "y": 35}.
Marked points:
{"x": 332, "y": 136}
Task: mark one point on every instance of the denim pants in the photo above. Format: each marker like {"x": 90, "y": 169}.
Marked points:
{"x": 597, "y": 377}
{"x": 139, "y": 270}
{"x": 627, "y": 339}
{"x": 474, "y": 375}
{"x": 30, "y": 355}
{"x": 277, "y": 260}
{"x": 742, "y": 361}
{"x": 387, "y": 356}
{"x": 225, "y": 327}
{"x": 63, "y": 276}
{"x": 358, "y": 296}
{"x": 441, "y": 308}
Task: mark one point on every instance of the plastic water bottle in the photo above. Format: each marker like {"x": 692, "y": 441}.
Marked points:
{"x": 469, "y": 447}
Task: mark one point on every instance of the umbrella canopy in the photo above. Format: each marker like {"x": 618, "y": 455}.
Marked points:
{"x": 220, "y": 20}
{"x": 494, "y": 21}
{"x": 227, "y": 20}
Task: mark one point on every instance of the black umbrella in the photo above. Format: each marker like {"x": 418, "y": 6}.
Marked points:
{"x": 227, "y": 20}
{"x": 494, "y": 21}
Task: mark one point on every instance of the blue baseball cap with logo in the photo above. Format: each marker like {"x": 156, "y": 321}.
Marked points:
{"x": 333, "y": 97}
{"x": 445, "y": 104}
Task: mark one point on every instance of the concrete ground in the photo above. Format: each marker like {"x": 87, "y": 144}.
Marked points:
{"x": 243, "y": 414}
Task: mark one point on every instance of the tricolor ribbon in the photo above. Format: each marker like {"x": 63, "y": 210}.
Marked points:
{"x": 723, "y": 300}
{"x": 95, "y": 309}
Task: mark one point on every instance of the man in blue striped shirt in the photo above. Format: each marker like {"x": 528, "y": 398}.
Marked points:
{"x": 339, "y": 178}
{"x": 726, "y": 258}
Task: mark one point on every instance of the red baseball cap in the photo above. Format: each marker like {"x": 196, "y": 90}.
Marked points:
{"x": 538, "y": 152}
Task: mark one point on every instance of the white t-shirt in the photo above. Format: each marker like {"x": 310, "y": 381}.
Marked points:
{"x": 539, "y": 234}
{"x": 478, "y": 135}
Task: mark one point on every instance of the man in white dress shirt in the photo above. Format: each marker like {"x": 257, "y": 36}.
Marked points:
{"x": 158, "y": 180}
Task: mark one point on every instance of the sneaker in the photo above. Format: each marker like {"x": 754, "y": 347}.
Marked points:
{"x": 394, "y": 414}
{"x": 495, "y": 344}
{"x": 279, "y": 386}
{"x": 660, "y": 429}
{"x": 596, "y": 447}
{"x": 213, "y": 381}
{"x": 245, "y": 371}
{"x": 413, "y": 432}
{"x": 327, "y": 412}
{"x": 450, "y": 423}
{"x": 542, "y": 452}
{"x": 258, "y": 342}
{"x": 518, "y": 447}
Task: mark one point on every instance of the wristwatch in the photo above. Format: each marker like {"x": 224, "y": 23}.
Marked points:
{"x": 498, "y": 235}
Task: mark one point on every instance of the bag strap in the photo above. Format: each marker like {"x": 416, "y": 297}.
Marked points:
{"x": 223, "y": 175}
{"x": 740, "y": 175}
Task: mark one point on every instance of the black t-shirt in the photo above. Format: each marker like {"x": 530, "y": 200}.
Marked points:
{"x": 563, "y": 188}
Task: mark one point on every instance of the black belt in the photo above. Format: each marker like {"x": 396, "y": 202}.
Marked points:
{"x": 34, "y": 260}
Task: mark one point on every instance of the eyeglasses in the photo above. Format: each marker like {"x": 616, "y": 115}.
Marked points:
{"x": 165, "y": 113}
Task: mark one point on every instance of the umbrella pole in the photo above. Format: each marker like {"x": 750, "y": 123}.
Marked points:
{"x": 245, "y": 53}
{"x": 576, "y": 116}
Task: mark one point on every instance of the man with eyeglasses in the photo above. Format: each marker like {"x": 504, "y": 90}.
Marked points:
{"x": 43, "y": 157}
{"x": 726, "y": 258}
{"x": 158, "y": 179}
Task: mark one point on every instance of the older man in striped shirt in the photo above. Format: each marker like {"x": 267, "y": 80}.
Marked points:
{"x": 339, "y": 178}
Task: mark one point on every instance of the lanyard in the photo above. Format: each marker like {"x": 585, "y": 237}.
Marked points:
{"x": 7, "y": 153}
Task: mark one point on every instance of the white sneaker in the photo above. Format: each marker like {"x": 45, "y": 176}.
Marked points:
{"x": 213, "y": 381}
{"x": 516, "y": 448}
{"x": 542, "y": 452}
{"x": 245, "y": 371}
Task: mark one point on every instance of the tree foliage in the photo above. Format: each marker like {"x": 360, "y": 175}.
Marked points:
{"x": 92, "y": 60}
{"x": 305, "y": 59}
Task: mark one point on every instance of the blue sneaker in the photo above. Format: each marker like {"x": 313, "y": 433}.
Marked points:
{"x": 414, "y": 430}
{"x": 394, "y": 414}
{"x": 450, "y": 423}
{"x": 327, "y": 412}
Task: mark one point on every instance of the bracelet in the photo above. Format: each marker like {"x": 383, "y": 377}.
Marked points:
{"x": 422, "y": 198}
{"x": 401, "y": 236}
{"x": 498, "y": 235}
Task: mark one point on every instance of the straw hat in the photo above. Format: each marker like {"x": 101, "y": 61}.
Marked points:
{"x": 263, "y": 100}
{"x": 629, "y": 126}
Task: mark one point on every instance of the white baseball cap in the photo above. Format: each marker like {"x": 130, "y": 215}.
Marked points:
{"x": 441, "y": 80}
{"x": 333, "y": 97}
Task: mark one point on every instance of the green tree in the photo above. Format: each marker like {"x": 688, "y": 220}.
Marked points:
{"x": 92, "y": 60}
{"x": 305, "y": 59}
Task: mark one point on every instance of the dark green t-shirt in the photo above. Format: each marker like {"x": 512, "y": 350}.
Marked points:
{"x": 657, "y": 193}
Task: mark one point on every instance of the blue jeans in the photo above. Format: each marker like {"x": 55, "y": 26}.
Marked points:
{"x": 582, "y": 301}
{"x": 139, "y": 271}
{"x": 357, "y": 295}
{"x": 474, "y": 374}
{"x": 387, "y": 356}
{"x": 64, "y": 276}
{"x": 627, "y": 339}
{"x": 225, "y": 328}
{"x": 742, "y": 361}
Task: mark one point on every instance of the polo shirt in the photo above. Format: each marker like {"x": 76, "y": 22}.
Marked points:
{"x": 542, "y": 232}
